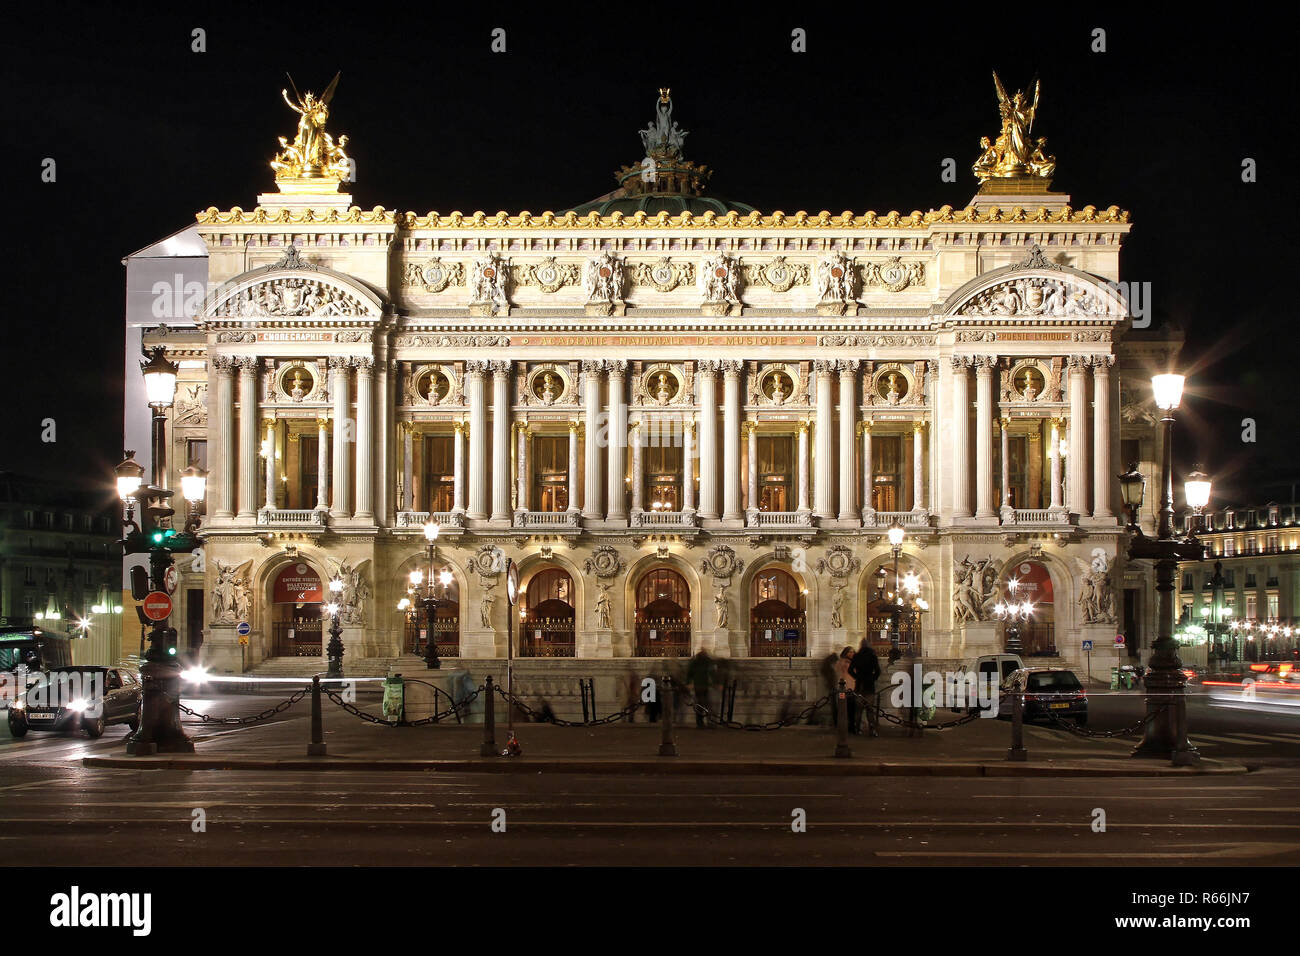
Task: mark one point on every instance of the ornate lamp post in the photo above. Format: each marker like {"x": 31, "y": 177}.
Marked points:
{"x": 1166, "y": 729}
{"x": 160, "y": 725}
{"x": 1013, "y": 613}
{"x": 431, "y": 598}
{"x": 334, "y": 650}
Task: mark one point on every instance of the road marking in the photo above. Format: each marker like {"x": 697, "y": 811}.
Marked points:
{"x": 876, "y": 825}
{"x": 1225, "y": 740}
{"x": 1235, "y": 850}
{"x": 1273, "y": 738}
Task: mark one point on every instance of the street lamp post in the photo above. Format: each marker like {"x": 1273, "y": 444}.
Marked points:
{"x": 431, "y": 598}
{"x": 154, "y": 535}
{"x": 1013, "y": 613}
{"x": 334, "y": 650}
{"x": 1166, "y": 727}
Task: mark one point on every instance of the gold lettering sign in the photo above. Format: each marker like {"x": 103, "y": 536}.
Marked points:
{"x": 680, "y": 341}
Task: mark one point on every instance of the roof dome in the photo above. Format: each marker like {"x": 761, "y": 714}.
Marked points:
{"x": 664, "y": 181}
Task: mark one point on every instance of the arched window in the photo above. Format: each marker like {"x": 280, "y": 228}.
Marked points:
{"x": 777, "y": 622}
{"x": 547, "y": 615}
{"x": 663, "y": 615}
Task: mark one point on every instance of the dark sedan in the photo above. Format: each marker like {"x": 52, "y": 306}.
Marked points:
{"x": 1052, "y": 691}
{"x": 78, "y": 698}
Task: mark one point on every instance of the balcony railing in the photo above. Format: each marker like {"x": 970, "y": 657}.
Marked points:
{"x": 1036, "y": 516}
{"x": 908, "y": 519}
{"x": 664, "y": 519}
{"x": 446, "y": 630}
{"x": 554, "y": 520}
{"x": 663, "y": 638}
{"x": 780, "y": 519}
{"x": 295, "y": 518}
{"x": 418, "y": 519}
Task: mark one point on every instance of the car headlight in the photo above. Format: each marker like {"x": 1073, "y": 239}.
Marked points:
{"x": 78, "y": 705}
{"x": 17, "y": 704}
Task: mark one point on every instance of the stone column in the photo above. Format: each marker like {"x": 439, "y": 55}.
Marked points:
{"x": 868, "y": 483}
{"x": 848, "y": 369}
{"x": 634, "y": 436}
{"x": 573, "y": 465}
{"x": 960, "y": 437}
{"x": 501, "y": 441}
{"x": 591, "y": 376}
{"x": 984, "y": 436}
{"x": 918, "y": 466}
{"x": 365, "y": 510}
{"x": 408, "y": 466}
{"x": 223, "y": 418}
{"x": 708, "y": 372}
{"x": 823, "y": 489}
{"x": 269, "y": 427}
{"x": 1101, "y": 472}
{"x": 1054, "y": 453}
{"x": 617, "y": 505}
{"x": 803, "y": 467}
{"x": 248, "y": 419}
{"x": 731, "y": 371}
{"x": 751, "y": 444}
{"x": 688, "y": 465}
{"x": 1076, "y": 484}
{"x": 458, "y": 465}
{"x": 339, "y": 389}
{"x": 476, "y": 377}
{"x": 1005, "y": 425}
{"x": 387, "y": 406}
{"x": 322, "y": 464}
{"x": 524, "y": 488}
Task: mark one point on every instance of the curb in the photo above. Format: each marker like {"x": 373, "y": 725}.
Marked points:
{"x": 829, "y": 767}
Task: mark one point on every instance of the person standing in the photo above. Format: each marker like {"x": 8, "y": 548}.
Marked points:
{"x": 844, "y": 672}
{"x": 866, "y": 670}
{"x": 700, "y": 675}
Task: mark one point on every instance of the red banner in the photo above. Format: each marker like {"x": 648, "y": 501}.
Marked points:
{"x": 1033, "y": 582}
{"x": 298, "y": 584}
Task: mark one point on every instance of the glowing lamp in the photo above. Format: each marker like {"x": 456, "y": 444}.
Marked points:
{"x": 1168, "y": 390}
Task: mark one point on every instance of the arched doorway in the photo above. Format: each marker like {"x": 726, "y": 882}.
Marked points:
{"x": 297, "y": 597}
{"x": 889, "y": 623}
{"x": 777, "y": 622}
{"x": 663, "y": 615}
{"x": 446, "y": 621}
{"x": 547, "y": 615}
{"x": 1029, "y": 581}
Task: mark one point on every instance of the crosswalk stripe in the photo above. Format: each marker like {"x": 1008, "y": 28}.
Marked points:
{"x": 1226, "y": 740}
{"x": 1272, "y": 738}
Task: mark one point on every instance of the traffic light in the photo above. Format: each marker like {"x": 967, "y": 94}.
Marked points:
{"x": 171, "y": 642}
{"x": 139, "y": 582}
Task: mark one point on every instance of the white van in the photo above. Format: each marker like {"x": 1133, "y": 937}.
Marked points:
{"x": 1001, "y": 666}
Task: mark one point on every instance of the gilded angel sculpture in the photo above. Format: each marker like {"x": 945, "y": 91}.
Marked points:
{"x": 313, "y": 153}
{"x": 1015, "y": 153}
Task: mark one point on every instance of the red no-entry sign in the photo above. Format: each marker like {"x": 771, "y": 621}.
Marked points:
{"x": 157, "y": 606}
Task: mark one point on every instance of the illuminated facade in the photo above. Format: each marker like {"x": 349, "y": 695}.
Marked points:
{"x": 689, "y": 423}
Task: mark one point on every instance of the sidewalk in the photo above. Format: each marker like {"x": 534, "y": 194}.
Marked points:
{"x": 978, "y": 748}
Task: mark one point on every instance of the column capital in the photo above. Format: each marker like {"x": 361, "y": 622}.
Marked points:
{"x": 805, "y": 426}
{"x": 824, "y": 367}
{"x": 592, "y": 366}
{"x": 460, "y": 426}
{"x": 574, "y": 426}
{"x": 223, "y": 364}
{"x": 322, "y": 423}
{"x": 707, "y": 368}
{"x": 732, "y": 368}
{"x": 749, "y": 425}
{"x": 688, "y": 426}
{"x": 918, "y": 426}
{"x": 247, "y": 364}
{"x": 984, "y": 364}
{"x": 960, "y": 362}
{"x": 477, "y": 367}
{"x": 1078, "y": 363}
{"x": 339, "y": 363}
{"x": 268, "y": 423}
{"x": 1101, "y": 364}
{"x": 1004, "y": 421}
{"x": 848, "y": 368}
{"x": 500, "y": 368}
{"x": 617, "y": 368}
{"x": 864, "y": 427}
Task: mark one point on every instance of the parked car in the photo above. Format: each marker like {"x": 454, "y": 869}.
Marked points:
{"x": 78, "y": 698}
{"x": 1001, "y": 666}
{"x": 1047, "y": 690}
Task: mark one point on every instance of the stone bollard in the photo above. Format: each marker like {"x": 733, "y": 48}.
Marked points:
{"x": 317, "y": 746}
{"x": 668, "y": 700}
{"x": 842, "y": 722}
{"x": 1017, "y": 751}
{"x": 489, "y": 748}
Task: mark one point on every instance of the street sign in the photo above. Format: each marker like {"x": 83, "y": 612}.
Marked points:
{"x": 1087, "y": 645}
{"x": 243, "y": 640}
{"x": 170, "y": 579}
{"x": 1119, "y": 640}
{"x": 244, "y": 629}
{"x": 792, "y": 634}
{"x": 157, "y": 606}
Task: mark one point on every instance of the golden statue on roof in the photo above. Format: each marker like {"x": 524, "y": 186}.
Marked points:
{"x": 1016, "y": 154}
{"x": 313, "y": 154}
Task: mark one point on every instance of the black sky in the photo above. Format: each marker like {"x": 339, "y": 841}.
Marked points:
{"x": 145, "y": 133}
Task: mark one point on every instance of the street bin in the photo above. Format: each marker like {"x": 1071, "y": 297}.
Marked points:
{"x": 1127, "y": 677}
{"x": 394, "y": 697}
{"x": 1114, "y": 677}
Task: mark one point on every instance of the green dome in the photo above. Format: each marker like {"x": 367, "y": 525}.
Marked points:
{"x": 654, "y": 203}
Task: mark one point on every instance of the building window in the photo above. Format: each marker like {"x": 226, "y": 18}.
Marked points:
{"x": 776, "y": 490}
{"x": 1230, "y": 578}
{"x": 1273, "y": 606}
{"x": 1250, "y": 579}
{"x": 663, "y": 477}
{"x": 1250, "y": 607}
{"x": 29, "y": 518}
{"x": 29, "y": 576}
{"x": 439, "y": 473}
{"x": 1229, "y": 547}
{"x": 29, "y": 606}
{"x": 196, "y": 452}
{"x": 887, "y": 483}
{"x": 1187, "y": 580}
{"x": 550, "y": 473}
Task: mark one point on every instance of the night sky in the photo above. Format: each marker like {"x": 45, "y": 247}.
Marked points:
{"x": 145, "y": 133}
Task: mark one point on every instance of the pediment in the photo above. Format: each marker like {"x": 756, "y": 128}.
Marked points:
{"x": 1037, "y": 289}
{"x": 295, "y": 290}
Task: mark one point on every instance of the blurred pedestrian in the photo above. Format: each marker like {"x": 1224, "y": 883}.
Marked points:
{"x": 701, "y": 675}
{"x": 843, "y": 672}
{"x": 866, "y": 670}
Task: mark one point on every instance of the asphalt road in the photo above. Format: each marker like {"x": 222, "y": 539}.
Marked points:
{"x": 56, "y": 812}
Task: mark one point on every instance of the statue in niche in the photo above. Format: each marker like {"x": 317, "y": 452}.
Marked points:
{"x": 665, "y": 389}
{"x": 301, "y": 387}
{"x": 603, "y": 609}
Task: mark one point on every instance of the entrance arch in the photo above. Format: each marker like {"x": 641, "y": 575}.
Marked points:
{"x": 663, "y": 614}
{"x": 446, "y": 619}
{"x": 1030, "y": 580}
{"x": 547, "y": 615}
{"x": 297, "y": 600}
{"x": 777, "y": 618}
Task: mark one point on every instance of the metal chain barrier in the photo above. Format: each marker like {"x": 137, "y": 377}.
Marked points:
{"x": 911, "y": 724}
{"x": 543, "y": 718}
{"x": 1129, "y": 731}
{"x": 461, "y": 706}
{"x": 802, "y": 716}
{"x": 239, "y": 721}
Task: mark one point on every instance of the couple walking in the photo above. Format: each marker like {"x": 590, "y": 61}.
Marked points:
{"x": 859, "y": 670}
